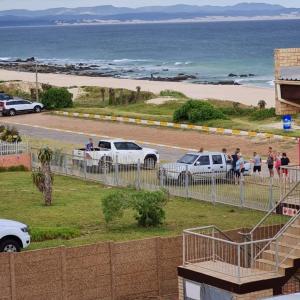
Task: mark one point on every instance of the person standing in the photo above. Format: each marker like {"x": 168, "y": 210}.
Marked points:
{"x": 90, "y": 145}
{"x": 239, "y": 167}
{"x": 257, "y": 163}
{"x": 270, "y": 162}
{"x": 284, "y": 162}
{"x": 234, "y": 159}
{"x": 227, "y": 156}
{"x": 278, "y": 164}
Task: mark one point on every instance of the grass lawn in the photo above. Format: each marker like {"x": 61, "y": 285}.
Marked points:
{"x": 76, "y": 216}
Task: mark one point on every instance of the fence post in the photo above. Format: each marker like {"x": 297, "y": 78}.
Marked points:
{"x": 276, "y": 256}
{"x": 213, "y": 189}
{"x": 161, "y": 179}
{"x": 139, "y": 174}
{"x": 239, "y": 264}
{"x": 117, "y": 171}
{"x": 271, "y": 205}
{"x": 85, "y": 167}
{"x": 242, "y": 191}
{"x": 103, "y": 167}
{"x": 186, "y": 182}
{"x": 213, "y": 244}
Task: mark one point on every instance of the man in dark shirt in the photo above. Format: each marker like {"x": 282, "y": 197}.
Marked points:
{"x": 234, "y": 159}
{"x": 284, "y": 162}
{"x": 90, "y": 145}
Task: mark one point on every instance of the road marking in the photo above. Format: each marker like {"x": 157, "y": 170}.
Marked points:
{"x": 101, "y": 136}
{"x": 212, "y": 130}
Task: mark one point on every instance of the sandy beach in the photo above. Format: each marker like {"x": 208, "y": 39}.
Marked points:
{"x": 243, "y": 94}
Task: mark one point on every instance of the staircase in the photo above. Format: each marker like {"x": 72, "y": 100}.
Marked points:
{"x": 267, "y": 255}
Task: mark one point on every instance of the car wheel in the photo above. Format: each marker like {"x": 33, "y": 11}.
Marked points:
{"x": 10, "y": 245}
{"x": 12, "y": 112}
{"x": 183, "y": 178}
{"x": 37, "y": 109}
{"x": 149, "y": 163}
{"x": 105, "y": 164}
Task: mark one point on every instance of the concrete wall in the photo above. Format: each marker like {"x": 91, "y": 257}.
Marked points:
{"x": 285, "y": 58}
{"x": 16, "y": 160}
{"x": 145, "y": 269}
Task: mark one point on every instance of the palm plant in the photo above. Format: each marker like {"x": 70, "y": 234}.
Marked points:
{"x": 262, "y": 104}
{"x": 103, "y": 94}
{"x": 43, "y": 178}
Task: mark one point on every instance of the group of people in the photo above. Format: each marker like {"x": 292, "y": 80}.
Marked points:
{"x": 275, "y": 160}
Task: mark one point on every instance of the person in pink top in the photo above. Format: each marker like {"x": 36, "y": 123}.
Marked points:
{"x": 278, "y": 163}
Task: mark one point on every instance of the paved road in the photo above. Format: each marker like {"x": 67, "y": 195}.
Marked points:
{"x": 166, "y": 153}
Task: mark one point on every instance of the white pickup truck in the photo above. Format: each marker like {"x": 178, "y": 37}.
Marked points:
{"x": 198, "y": 167}
{"x": 116, "y": 151}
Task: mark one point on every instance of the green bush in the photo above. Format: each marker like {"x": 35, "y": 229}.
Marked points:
{"x": 113, "y": 206}
{"x": 45, "y": 233}
{"x": 197, "y": 111}
{"x": 262, "y": 114}
{"x": 9, "y": 134}
{"x": 149, "y": 206}
{"x": 57, "y": 98}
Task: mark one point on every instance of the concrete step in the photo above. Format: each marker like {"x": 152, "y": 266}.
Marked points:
{"x": 286, "y": 248}
{"x": 270, "y": 266}
{"x": 294, "y": 229}
{"x": 288, "y": 258}
{"x": 291, "y": 239}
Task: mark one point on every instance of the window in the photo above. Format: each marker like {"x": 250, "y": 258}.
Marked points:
{"x": 188, "y": 159}
{"x": 9, "y": 103}
{"x": 133, "y": 146}
{"x": 203, "y": 160}
{"x": 121, "y": 146}
{"x": 104, "y": 145}
{"x": 24, "y": 102}
{"x": 217, "y": 159}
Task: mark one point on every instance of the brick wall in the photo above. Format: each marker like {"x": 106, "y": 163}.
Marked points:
{"x": 285, "y": 58}
{"x": 16, "y": 160}
{"x": 145, "y": 269}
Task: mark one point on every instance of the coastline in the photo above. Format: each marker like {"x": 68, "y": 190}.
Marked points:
{"x": 247, "y": 95}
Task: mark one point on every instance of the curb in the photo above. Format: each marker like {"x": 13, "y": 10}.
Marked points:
{"x": 222, "y": 131}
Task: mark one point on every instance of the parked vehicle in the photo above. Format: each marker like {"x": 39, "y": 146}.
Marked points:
{"x": 11, "y": 106}
{"x": 120, "y": 151}
{"x": 198, "y": 167}
{"x": 14, "y": 236}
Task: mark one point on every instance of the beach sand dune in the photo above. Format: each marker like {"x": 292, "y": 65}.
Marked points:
{"x": 243, "y": 94}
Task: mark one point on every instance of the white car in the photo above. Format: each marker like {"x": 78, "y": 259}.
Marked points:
{"x": 14, "y": 106}
{"x": 196, "y": 166}
{"x": 14, "y": 236}
{"x": 117, "y": 151}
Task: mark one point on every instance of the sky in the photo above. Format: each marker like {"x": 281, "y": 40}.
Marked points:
{"x": 43, "y": 4}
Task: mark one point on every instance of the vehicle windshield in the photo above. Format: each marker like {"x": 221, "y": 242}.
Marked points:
{"x": 188, "y": 159}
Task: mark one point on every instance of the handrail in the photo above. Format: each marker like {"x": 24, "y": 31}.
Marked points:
{"x": 278, "y": 234}
{"x": 226, "y": 241}
{"x": 274, "y": 208}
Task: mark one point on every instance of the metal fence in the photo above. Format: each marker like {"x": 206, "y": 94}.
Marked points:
{"x": 254, "y": 191}
{"x": 13, "y": 148}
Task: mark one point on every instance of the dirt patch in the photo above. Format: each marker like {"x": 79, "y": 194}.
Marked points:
{"x": 160, "y": 100}
{"x": 166, "y": 136}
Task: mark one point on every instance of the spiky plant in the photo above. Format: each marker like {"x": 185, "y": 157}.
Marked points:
{"x": 43, "y": 178}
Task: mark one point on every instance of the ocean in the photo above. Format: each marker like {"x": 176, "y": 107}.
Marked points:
{"x": 208, "y": 51}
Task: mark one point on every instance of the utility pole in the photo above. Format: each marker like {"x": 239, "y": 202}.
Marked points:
{"x": 36, "y": 82}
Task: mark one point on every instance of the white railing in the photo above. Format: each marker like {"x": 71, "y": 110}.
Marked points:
{"x": 209, "y": 248}
{"x": 13, "y": 148}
